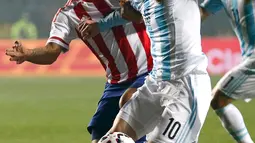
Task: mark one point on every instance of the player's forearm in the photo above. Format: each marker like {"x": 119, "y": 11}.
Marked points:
{"x": 43, "y": 55}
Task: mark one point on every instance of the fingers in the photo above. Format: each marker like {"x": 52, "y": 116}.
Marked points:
{"x": 83, "y": 28}
{"x": 16, "y": 43}
{"x": 10, "y": 52}
{"x": 87, "y": 29}
{"x": 82, "y": 25}
{"x": 17, "y": 46}
{"x": 17, "y": 60}
{"x": 14, "y": 55}
{"x": 87, "y": 32}
{"x": 13, "y": 59}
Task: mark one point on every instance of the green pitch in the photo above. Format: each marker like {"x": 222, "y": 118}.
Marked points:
{"x": 57, "y": 110}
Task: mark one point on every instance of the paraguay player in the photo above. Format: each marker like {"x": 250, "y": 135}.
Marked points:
{"x": 173, "y": 103}
{"x": 239, "y": 82}
{"x": 124, "y": 52}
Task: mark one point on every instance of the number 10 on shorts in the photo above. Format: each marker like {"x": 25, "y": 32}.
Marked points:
{"x": 172, "y": 129}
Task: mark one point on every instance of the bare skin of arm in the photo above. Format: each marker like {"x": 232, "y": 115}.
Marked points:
{"x": 41, "y": 55}
{"x": 129, "y": 13}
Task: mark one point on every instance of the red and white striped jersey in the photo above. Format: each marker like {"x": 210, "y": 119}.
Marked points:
{"x": 124, "y": 51}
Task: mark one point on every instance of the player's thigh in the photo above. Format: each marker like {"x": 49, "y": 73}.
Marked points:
{"x": 126, "y": 96}
{"x": 183, "y": 118}
{"x": 238, "y": 83}
{"x": 143, "y": 110}
{"x": 132, "y": 89}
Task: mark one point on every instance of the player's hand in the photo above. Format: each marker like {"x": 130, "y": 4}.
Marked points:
{"x": 129, "y": 13}
{"x": 88, "y": 29}
{"x": 17, "y": 53}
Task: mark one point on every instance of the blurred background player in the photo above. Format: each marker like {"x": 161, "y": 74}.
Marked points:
{"x": 238, "y": 83}
{"x": 172, "y": 104}
{"x": 124, "y": 52}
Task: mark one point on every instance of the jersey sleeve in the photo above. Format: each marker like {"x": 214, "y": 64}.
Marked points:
{"x": 212, "y": 6}
{"x": 62, "y": 30}
{"x": 111, "y": 20}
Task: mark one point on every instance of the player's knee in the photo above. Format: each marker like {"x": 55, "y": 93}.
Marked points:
{"x": 126, "y": 96}
{"x": 219, "y": 100}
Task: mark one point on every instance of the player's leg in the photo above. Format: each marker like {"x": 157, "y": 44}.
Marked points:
{"x": 109, "y": 107}
{"x": 233, "y": 86}
{"x": 141, "y": 113}
{"x": 127, "y": 95}
{"x": 184, "y": 116}
{"x": 123, "y": 100}
{"x": 132, "y": 89}
{"x": 103, "y": 118}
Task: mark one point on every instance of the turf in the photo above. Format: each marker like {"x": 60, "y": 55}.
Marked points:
{"x": 57, "y": 110}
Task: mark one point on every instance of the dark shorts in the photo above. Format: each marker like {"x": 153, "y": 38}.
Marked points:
{"x": 108, "y": 107}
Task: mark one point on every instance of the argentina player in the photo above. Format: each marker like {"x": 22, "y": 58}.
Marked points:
{"x": 239, "y": 82}
{"x": 172, "y": 104}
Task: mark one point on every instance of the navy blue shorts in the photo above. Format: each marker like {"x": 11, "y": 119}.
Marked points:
{"x": 108, "y": 107}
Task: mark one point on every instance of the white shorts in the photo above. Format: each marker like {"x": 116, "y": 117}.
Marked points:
{"x": 169, "y": 111}
{"x": 239, "y": 83}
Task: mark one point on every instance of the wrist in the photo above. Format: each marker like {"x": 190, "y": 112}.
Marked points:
{"x": 28, "y": 53}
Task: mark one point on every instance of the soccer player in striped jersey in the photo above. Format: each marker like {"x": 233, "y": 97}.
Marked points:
{"x": 124, "y": 52}
{"x": 239, "y": 82}
{"x": 172, "y": 104}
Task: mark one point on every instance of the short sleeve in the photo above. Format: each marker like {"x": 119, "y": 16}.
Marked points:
{"x": 62, "y": 30}
{"x": 212, "y": 6}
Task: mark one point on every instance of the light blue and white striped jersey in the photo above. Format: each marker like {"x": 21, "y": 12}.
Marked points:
{"x": 174, "y": 29}
{"x": 241, "y": 15}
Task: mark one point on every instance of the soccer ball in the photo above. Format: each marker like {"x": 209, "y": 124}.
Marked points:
{"x": 116, "y": 137}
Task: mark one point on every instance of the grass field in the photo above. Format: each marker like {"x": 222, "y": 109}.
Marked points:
{"x": 57, "y": 110}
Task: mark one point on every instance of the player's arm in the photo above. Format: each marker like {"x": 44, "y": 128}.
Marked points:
{"x": 208, "y": 7}
{"x": 121, "y": 16}
{"x": 61, "y": 34}
{"x": 111, "y": 20}
{"x": 44, "y": 55}
{"x": 89, "y": 28}
{"x": 41, "y": 55}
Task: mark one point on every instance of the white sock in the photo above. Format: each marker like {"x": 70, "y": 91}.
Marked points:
{"x": 232, "y": 121}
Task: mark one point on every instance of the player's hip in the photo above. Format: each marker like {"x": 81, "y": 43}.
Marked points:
{"x": 239, "y": 82}
{"x": 192, "y": 83}
{"x": 173, "y": 69}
